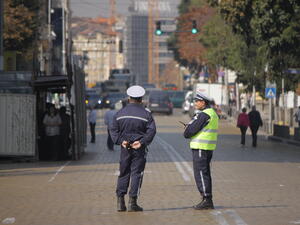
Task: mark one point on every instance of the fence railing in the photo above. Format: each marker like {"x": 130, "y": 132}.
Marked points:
{"x": 280, "y": 116}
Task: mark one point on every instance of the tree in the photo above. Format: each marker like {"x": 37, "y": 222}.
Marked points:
{"x": 277, "y": 25}
{"x": 224, "y": 48}
{"x": 270, "y": 29}
{"x": 20, "y": 24}
{"x": 188, "y": 51}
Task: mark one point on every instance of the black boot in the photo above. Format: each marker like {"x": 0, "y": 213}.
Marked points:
{"x": 206, "y": 203}
{"x": 133, "y": 206}
{"x": 121, "y": 204}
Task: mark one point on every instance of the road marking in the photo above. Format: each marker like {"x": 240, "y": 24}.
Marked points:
{"x": 220, "y": 218}
{"x": 183, "y": 162}
{"x": 9, "y": 220}
{"x": 295, "y": 222}
{"x": 175, "y": 158}
{"x": 58, "y": 171}
{"x": 233, "y": 214}
{"x": 117, "y": 172}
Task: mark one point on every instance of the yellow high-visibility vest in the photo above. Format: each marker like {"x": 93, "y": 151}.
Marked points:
{"x": 206, "y": 139}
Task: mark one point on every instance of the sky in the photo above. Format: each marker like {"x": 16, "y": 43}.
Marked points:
{"x": 94, "y": 8}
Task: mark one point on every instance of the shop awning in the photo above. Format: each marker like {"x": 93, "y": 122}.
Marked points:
{"x": 57, "y": 83}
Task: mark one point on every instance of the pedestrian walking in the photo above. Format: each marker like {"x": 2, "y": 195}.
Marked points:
{"x": 255, "y": 122}
{"x": 297, "y": 116}
{"x": 108, "y": 121}
{"x": 202, "y": 132}
{"x": 243, "y": 124}
{"x": 134, "y": 129}
{"x": 92, "y": 118}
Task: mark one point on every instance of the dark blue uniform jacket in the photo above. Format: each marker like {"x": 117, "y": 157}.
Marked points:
{"x": 133, "y": 123}
{"x": 199, "y": 121}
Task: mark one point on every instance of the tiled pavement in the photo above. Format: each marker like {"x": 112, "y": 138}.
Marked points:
{"x": 251, "y": 186}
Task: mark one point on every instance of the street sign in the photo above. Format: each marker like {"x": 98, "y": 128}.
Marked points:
{"x": 270, "y": 92}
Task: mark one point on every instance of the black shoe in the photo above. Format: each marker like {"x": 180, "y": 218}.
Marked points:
{"x": 121, "y": 207}
{"x": 133, "y": 206}
{"x": 206, "y": 203}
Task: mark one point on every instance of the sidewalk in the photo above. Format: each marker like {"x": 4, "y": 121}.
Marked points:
{"x": 270, "y": 137}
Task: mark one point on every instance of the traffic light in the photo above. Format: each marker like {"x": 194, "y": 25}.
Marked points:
{"x": 158, "y": 30}
{"x": 120, "y": 46}
{"x": 194, "y": 28}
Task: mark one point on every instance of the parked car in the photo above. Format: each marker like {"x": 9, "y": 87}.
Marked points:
{"x": 111, "y": 98}
{"x": 188, "y": 100}
{"x": 177, "y": 98}
{"x": 159, "y": 101}
{"x": 147, "y": 93}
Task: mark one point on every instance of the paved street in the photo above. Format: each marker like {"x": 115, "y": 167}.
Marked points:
{"x": 251, "y": 186}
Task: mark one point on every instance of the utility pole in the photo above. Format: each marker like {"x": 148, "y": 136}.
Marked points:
{"x": 49, "y": 50}
{"x": 150, "y": 41}
{"x": 64, "y": 22}
{"x": 254, "y": 90}
{"x": 237, "y": 99}
{"x": 153, "y": 67}
{"x": 1, "y": 33}
{"x": 156, "y": 51}
{"x": 112, "y": 23}
{"x": 112, "y": 11}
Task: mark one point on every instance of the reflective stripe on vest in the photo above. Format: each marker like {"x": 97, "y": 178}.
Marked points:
{"x": 206, "y": 139}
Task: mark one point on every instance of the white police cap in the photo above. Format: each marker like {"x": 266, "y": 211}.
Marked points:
{"x": 136, "y": 91}
{"x": 202, "y": 97}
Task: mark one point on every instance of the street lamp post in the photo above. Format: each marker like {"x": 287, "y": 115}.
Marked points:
{"x": 226, "y": 99}
{"x": 1, "y": 32}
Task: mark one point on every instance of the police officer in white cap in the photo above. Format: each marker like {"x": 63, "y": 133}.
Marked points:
{"x": 134, "y": 129}
{"x": 202, "y": 132}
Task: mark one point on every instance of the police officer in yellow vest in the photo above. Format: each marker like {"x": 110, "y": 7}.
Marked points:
{"x": 202, "y": 132}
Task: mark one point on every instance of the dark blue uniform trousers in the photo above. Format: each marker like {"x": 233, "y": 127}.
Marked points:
{"x": 132, "y": 165}
{"x": 201, "y": 165}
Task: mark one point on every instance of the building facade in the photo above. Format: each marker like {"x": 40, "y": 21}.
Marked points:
{"x": 137, "y": 39}
{"x": 96, "y": 45}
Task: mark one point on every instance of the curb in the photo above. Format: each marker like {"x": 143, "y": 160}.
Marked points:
{"x": 284, "y": 140}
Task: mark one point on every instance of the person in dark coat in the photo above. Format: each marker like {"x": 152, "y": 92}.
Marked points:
{"x": 52, "y": 122}
{"x": 65, "y": 130}
{"x": 108, "y": 121}
{"x": 243, "y": 124}
{"x": 134, "y": 129}
{"x": 255, "y": 122}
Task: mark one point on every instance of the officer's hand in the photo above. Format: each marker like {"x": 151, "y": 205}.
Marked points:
{"x": 136, "y": 145}
{"x": 124, "y": 144}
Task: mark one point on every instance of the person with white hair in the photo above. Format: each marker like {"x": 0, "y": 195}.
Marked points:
{"x": 203, "y": 132}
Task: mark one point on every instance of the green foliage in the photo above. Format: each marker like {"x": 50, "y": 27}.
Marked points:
{"x": 20, "y": 24}
{"x": 246, "y": 36}
{"x": 186, "y": 5}
{"x": 270, "y": 29}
